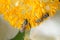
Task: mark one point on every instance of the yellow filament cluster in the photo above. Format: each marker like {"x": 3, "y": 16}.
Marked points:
{"x": 16, "y": 11}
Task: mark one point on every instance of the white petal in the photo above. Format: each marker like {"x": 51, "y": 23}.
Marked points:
{"x": 6, "y": 31}
{"x": 48, "y": 30}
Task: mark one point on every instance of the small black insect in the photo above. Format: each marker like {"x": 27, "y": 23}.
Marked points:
{"x": 25, "y": 22}
{"x": 46, "y": 15}
{"x": 24, "y": 25}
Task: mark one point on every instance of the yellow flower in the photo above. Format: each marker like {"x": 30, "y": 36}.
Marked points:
{"x": 24, "y": 14}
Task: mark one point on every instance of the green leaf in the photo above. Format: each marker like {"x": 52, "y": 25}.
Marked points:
{"x": 19, "y": 36}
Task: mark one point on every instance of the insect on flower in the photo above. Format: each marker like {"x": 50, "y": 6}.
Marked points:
{"x": 28, "y": 13}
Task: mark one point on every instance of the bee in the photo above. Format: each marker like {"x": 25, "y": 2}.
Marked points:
{"x": 42, "y": 18}
{"x": 46, "y": 15}
{"x": 24, "y": 25}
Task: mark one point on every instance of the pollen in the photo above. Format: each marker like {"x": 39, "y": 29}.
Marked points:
{"x": 27, "y": 14}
